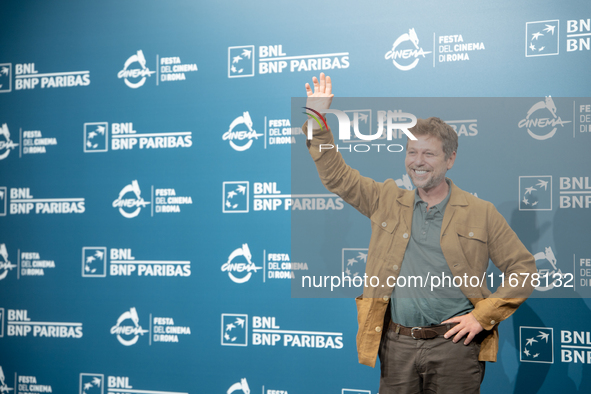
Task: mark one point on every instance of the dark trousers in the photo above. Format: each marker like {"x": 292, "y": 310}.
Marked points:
{"x": 434, "y": 365}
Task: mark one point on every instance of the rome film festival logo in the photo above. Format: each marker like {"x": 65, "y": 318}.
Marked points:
{"x": 554, "y": 274}
{"x": 536, "y": 345}
{"x": 231, "y": 266}
{"x": 127, "y": 330}
{"x": 4, "y": 389}
{"x": 5, "y": 264}
{"x": 134, "y": 73}
{"x": 242, "y": 386}
{"x": 6, "y": 143}
{"x": 235, "y": 134}
{"x": 406, "y": 53}
{"x": 137, "y": 202}
{"x": 542, "y": 122}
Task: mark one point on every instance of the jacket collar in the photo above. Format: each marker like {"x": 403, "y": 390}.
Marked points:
{"x": 456, "y": 198}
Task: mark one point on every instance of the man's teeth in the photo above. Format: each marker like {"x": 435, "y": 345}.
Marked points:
{"x": 420, "y": 172}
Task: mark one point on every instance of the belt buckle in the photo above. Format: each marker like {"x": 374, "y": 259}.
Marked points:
{"x": 412, "y": 332}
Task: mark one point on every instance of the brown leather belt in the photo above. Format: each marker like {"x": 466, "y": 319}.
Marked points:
{"x": 421, "y": 332}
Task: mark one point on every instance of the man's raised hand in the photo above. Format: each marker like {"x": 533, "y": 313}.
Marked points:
{"x": 321, "y": 97}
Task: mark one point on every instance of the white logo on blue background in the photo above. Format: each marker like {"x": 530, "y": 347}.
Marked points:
{"x": 535, "y": 193}
{"x": 95, "y": 137}
{"x": 234, "y": 329}
{"x": 5, "y": 77}
{"x": 94, "y": 261}
{"x": 354, "y": 260}
{"x": 3, "y": 199}
{"x": 91, "y": 383}
{"x": 536, "y": 345}
{"x": 235, "y": 197}
{"x": 241, "y": 61}
{"x": 541, "y": 38}
{"x": 1, "y": 322}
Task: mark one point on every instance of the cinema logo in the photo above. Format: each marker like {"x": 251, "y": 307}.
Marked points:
{"x": 272, "y": 60}
{"x": 135, "y": 76}
{"x": 26, "y": 384}
{"x": 242, "y": 387}
{"x": 5, "y": 264}
{"x": 406, "y": 52}
{"x": 22, "y": 202}
{"x": 162, "y": 200}
{"x": 135, "y": 71}
{"x": 130, "y": 207}
{"x": 19, "y": 324}
{"x": 128, "y": 334}
{"x": 541, "y": 120}
{"x": 123, "y": 263}
{"x": 162, "y": 329}
{"x": 93, "y": 383}
{"x": 27, "y": 78}
{"x": 266, "y": 332}
{"x": 240, "y": 266}
{"x": 124, "y": 137}
{"x": 6, "y": 144}
{"x": 241, "y": 133}
{"x": 268, "y": 197}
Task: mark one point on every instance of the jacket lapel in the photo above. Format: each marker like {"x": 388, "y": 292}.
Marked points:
{"x": 455, "y": 199}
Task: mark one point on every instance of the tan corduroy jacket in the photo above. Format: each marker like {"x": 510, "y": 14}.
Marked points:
{"x": 472, "y": 232}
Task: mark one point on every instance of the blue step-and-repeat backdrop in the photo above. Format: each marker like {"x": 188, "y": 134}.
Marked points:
{"x": 152, "y": 172}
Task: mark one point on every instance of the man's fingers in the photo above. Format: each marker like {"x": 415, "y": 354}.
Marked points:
{"x": 460, "y": 335}
{"x": 308, "y": 89}
{"x": 452, "y": 331}
{"x": 469, "y": 338}
{"x": 316, "y": 85}
{"x": 322, "y": 83}
{"x": 328, "y": 85}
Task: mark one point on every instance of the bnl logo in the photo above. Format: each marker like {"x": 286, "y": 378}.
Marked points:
{"x": 541, "y": 38}
{"x": 234, "y": 329}
{"x": 96, "y": 137}
{"x": 3, "y": 199}
{"x": 535, "y": 193}
{"x": 5, "y": 77}
{"x": 536, "y": 345}
{"x": 91, "y": 383}
{"x": 235, "y": 197}
{"x": 94, "y": 261}
{"x": 241, "y": 61}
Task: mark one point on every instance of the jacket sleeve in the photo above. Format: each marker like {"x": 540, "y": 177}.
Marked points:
{"x": 513, "y": 259}
{"x": 362, "y": 193}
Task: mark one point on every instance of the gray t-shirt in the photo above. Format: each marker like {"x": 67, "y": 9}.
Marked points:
{"x": 411, "y": 304}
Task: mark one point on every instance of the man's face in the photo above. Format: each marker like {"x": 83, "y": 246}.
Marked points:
{"x": 425, "y": 162}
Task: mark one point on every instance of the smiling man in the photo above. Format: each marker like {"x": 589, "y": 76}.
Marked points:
{"x": 428, "y": 340}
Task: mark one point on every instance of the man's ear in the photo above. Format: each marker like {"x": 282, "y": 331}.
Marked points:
{"x": 451, "y": 160}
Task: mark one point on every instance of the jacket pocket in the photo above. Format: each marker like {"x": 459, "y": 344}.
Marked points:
{"x": 473, "y": 241}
